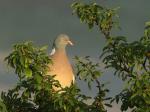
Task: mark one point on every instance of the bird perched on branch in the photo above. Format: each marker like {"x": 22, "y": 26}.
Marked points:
{"x": 61, "y": 66}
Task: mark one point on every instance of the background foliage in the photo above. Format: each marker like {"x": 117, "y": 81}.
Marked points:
{"x": 130, "y": 61}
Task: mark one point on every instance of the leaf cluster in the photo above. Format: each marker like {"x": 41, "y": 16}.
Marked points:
{"x": 28, "y": 60}
{"x": 2, "y": 107}
{"x": 96, "y": 15}
{"x": 87, "y": 70}
{"x": 35, "y": 91}
{"x": 131, "y": 62}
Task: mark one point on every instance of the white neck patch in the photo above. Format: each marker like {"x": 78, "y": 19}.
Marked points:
{"x": 53, "y": 51}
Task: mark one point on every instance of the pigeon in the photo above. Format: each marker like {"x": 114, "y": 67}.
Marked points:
{"x": 61, "y": 66}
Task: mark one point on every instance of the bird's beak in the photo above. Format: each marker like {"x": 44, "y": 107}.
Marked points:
{"x": 70, "y": 43}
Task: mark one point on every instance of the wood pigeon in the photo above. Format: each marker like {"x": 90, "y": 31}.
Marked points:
{"x": 61, "y": 66}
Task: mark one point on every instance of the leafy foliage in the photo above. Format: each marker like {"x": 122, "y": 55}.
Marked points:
{"x": 86, "y": 70}
{"x": 96, "y": 15}
{"x": 28, "y": 60}
{"x": 89, "y": 72}
{"x": 3, "y": 107}
{"x": 34, "y": 91}
{"x": 125, "y": 57}
{"x": 131, "y": 62}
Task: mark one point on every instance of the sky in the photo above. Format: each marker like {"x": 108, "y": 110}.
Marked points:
{"x": 41, "y": 21}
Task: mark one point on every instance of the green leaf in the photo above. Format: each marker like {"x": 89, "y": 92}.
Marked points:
{"x": 147, "y": 23}
{"x": 44, "y": 48}
{"x": 38, "y": 78}
{"x": 97, "y": 74}
{"x": 3, "y": 107}
{"x": 28, "y": 73}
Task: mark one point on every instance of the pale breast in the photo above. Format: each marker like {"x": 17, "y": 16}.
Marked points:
{"x": 62, "y": 69}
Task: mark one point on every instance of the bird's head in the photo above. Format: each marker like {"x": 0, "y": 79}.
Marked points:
{"x": 62, "y": 41}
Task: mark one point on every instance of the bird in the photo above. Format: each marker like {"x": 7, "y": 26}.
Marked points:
{"x": 61, "y": 67}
